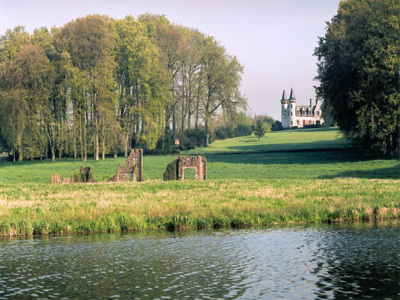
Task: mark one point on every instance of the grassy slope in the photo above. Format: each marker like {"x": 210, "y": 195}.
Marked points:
{"x": 242, "y": 188}
{"x": 280, "y": 141}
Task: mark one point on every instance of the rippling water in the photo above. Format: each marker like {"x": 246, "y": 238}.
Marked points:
{"x": 303, "y": 262}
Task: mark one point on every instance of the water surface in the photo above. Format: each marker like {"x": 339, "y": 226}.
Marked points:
{"x": 302, "y": 262}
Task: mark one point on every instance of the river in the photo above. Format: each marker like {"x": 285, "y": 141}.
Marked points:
{"x": 336, "y": 261}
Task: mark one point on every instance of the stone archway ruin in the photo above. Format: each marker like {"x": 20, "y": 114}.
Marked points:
{"x": 133, "y": 169}
{"x": 176, "y": 169}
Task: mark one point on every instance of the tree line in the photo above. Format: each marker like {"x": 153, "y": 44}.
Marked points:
{"x": 359, "y": 71}
{"x": 99, "y": 86}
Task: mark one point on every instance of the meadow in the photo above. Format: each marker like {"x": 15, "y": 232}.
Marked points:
{"x": 315, "y": 176}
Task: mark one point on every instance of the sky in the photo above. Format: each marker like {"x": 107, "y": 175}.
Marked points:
{"x": 273, "y": 39}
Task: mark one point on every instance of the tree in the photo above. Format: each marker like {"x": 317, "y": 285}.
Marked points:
{"x": 359, "y": 70}
{"x": 143, "y": 85}
{"x": 277, "y": 126}
{"x": 26, "y": 83}
{"x": 260, "y": 129}
{"x": 222, "y": 77}
{"x": 98, "y": 85}
{"x": 90, "y": 41}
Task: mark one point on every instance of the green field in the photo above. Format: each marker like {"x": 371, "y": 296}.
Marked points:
{"x": 310, "y": 139}
{"x": 315, "y": 176}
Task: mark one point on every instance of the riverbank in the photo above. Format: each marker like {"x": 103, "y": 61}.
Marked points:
{"x": 57, "y": 209}
{"x": 248, "y": 187}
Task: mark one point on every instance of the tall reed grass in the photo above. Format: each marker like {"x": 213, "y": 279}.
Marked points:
{"x": 57, "y": 209}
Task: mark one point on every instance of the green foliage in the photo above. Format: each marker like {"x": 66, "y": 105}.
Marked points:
{"x": 242, "y": 130}
{"x": 98, "y": 86}
{"x": 260, "y": 129}
{"x": 359, "y": 69}
{"x": 277, "y": 126}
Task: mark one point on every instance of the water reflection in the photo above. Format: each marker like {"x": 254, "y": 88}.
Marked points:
{"x": 301, "y": 262}
{"x": 359, "y": 261}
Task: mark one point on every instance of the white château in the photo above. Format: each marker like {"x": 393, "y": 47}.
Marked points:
{"x": 294, "y": 115}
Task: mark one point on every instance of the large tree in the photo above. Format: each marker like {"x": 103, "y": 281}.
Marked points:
{"x": 143, "y": 85}
{"x": 91, "y": 42}
{"x": 98, "y": 85}
{"x": 24, "y": 91}
{"x": 222, "y": 76}
{"x": 359, "y": 65}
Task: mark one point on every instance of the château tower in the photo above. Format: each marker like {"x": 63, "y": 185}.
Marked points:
{"x": 292, "y": 104}
{"x": 284, "y": 111}
{"x": 294, "y": 115}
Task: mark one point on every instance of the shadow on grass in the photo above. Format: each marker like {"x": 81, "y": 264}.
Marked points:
{"x": 308, "y": 164}
{"x": 382, "y": 173}
{"x": 316, "y": 145}
{"x": 287, "y": 158}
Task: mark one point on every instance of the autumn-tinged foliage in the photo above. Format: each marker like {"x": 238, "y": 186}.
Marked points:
{"x": 99, "y": 86}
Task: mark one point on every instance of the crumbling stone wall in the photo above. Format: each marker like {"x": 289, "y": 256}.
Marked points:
{"x": 176, "y": 169}
{"x": 85, "y": 176}
{"x": 57, "y": 178}
{"x": 133, "y": 169}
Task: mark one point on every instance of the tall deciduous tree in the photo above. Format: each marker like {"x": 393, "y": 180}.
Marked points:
{"x": 143, "y": 84}
{"x": 359, "y": 69}
{"x": 26, "y": 88}
{"x": 90, "y": 41}
{"x": 222, "y": 77}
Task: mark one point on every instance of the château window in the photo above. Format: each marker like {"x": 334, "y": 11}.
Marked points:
{"x": 291, "y": 113}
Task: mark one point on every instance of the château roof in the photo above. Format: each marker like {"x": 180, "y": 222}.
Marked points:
{"x": 284, "y": 96}
{"x": 292, "y": 96}
{"x": 304, "y": 110}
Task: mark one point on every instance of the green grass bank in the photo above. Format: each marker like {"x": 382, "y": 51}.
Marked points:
{"x": 269, "y": 183}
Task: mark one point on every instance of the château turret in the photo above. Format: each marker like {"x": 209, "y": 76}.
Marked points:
{"x": 294, "y": 115}
{"x": 292, "y": 97}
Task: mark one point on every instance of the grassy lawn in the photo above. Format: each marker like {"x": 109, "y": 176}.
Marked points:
{"x": 247, "y": 185}
{"x": 323, "y": 138}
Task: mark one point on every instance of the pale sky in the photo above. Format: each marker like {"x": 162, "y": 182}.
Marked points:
{"x": 273, "y": 39}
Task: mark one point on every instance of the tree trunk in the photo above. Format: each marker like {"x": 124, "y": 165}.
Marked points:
{"x": 96, "y": 128}
{"x": 81, "y": 140}
{"x": 126, "y": 144}
{"x": 207, "y": 133}
{"x": 75, "y": 146}
{"x": 398, "y": 123}
{"x": 398, "y": 136}
{"x": 84, "y": 144}
{"x": 103, "y": 142}
{"x": 53, "y": 153}
{"x": 20, "y": 155}
{"x": 97, "y": 146}
{"x": 173, "y": 125}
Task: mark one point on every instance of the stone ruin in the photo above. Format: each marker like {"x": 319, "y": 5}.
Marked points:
{"x": 176, "y": 169}
{"x": 133, "y": 170}
{"x": 85, "y": 176}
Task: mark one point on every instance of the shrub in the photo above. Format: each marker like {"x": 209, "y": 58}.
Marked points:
{"x": 277, "y": 126}
{"x": 242, "y": 130}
